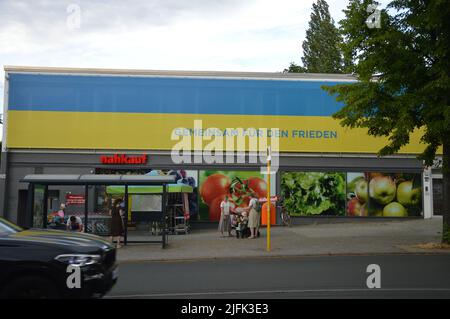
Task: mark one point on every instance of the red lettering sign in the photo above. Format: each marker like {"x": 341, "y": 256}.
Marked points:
{"x": 72, "y": 199}
{"x": 122, "y": 159}
{"x": 264, "y": 199}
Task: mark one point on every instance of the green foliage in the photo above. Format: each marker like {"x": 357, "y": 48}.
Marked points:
{"x": 403, "y": 73}
{"x": 321, "y": 51}
{"x": 313, "y": 193}
{"x": 410, "y": 56}
{"x": 294, "y": 68}
{"x": 446, "y": 234}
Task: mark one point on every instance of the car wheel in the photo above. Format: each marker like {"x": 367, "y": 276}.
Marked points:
{"x": 31, "y": 287}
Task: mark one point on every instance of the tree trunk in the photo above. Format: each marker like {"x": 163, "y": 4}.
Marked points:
{"x": 446, "y": 192}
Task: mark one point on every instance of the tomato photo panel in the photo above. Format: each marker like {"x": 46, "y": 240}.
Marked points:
{"x": 239, "y": 186}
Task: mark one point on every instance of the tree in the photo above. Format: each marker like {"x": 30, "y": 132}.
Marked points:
{"x": 321, "y": 51}
{"x": 294, "y": 68}
{"x": 403, "y": 72}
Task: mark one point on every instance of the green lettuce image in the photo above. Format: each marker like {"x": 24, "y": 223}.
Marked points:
{"x": 314, "y": 193}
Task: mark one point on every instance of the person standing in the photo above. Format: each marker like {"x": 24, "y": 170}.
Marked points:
{"x": 225, "y": 219}
{"x": 60, "y": 215}
{"x": 117, "y": 227}
{"x": 253, "y": 217}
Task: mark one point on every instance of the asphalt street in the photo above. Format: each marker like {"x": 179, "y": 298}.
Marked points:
{"x": 401, "y": 276}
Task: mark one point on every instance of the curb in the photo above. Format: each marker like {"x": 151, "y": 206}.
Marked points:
{"x": 195, "y": 259}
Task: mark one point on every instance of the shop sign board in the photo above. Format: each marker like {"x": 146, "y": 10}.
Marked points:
{"x": 123, "y": 159}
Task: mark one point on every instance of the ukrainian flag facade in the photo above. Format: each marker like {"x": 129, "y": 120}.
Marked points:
{"x": 91, "y": 111}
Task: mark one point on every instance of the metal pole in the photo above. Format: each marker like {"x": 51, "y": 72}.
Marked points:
{"x": 30, "y": 206}
{"x": 125, "y": 235}
{"x": 164, "y": 221}
{"x": 45, "y": 207}
{"x": 86, "y": 215}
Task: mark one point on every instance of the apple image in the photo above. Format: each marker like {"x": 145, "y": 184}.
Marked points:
{"x": 372, "y": 175}
{"x": 406, "y": 195}
{"x": 352, "y": 184}
{"x": 382, "y": 189}
{"x": 394, "y": 209}
{"x": 355, "y": 208}
{"x": 361, "y": 191}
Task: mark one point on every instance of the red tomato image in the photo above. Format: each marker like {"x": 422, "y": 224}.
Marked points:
{"x": 214, "y": 186}
{"x": 258, "y": 185}
{"x": 240, "y": 193}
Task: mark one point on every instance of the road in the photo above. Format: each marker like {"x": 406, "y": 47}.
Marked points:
{"x": 401, "y": 276}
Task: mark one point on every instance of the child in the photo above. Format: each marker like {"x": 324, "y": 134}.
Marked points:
{"x": 242, "y": 229}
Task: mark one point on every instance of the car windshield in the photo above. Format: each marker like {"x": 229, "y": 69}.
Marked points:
{"x": 7, "y": 228}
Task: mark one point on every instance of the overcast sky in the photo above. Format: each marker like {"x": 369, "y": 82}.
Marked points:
{"x": 232, "y": 35}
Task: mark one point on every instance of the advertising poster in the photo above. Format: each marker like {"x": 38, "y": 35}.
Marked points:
{"x": 314, "y": 193}
{"x": 239, "y": 186}
{"x": 357, "y": 194}
{"x": 384, "y": 194}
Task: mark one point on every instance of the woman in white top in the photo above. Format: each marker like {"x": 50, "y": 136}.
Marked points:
{"x": 253, "y": 217}
{"x": 225, "y": 220}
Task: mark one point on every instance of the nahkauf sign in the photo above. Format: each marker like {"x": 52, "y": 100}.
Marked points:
{"x": 122, "y": 159}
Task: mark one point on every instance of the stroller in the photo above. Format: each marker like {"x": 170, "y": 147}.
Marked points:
{"x": 240, "y": 223}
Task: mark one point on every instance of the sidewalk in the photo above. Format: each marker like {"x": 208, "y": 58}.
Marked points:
{"x": 304, "y": 240}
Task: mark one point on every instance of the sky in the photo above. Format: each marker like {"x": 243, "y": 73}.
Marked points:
{"x": 215, "y": 35}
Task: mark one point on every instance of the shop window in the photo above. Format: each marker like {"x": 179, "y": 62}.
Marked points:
{"x": 38, "y": 206}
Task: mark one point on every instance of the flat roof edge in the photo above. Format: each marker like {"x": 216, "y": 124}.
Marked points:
{"x": 87, "y": 179}
{"x": 100, "y": 71}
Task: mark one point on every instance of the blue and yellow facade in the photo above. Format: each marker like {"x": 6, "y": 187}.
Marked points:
{"x": 61, "y": 111}
{"x": 61, "y": 119}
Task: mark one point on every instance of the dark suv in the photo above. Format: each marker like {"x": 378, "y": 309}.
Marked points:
{"x": 34, "y": 263}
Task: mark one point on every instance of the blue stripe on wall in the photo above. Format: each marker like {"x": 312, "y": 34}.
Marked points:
{"x": 77, "y": 93}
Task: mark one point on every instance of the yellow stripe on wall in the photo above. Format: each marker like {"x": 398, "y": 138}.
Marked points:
{"x": 129, "y": 131}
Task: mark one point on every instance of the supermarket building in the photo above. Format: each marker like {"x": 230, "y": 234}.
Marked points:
{"x": 102, "y": 121}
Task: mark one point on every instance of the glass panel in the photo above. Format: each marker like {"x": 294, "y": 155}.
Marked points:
{"x": 66, "y": 208}
{"x": 99, "y": 218}
{"x": 146, "y": 203}
{"x": 38, "y": 206}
